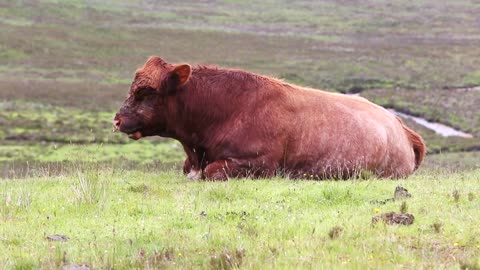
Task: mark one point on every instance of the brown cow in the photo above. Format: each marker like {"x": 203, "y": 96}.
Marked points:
{"x": 233, "y": 123}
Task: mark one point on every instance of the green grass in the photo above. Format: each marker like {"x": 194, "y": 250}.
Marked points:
{"x": 133, "y": 219}
{"x": 143, "y": 152}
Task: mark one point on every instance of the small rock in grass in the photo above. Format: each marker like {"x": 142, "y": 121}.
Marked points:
{"x": 57, "y": 237}
{"x": 401, "y": 193}
{"x": 393, "y": 218}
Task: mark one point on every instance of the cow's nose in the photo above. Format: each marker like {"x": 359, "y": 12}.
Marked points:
{"x": 116, "y": 124}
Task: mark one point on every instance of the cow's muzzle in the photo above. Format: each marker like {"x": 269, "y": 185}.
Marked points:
{"x": 127, "y": 126}
{"x": 116, "y": 124}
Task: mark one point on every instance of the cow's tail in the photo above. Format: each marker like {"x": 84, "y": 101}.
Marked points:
{"x": 419, "y": 147}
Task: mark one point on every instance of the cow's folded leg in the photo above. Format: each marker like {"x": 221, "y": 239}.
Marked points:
{"x": 221, "y": 170}
{"x": 218, "y": 170}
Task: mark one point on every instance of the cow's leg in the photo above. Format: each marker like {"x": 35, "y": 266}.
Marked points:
{"x": 187, "y": 166}
{"x": 191, "y": 166}
{"x": 192, "y": 172}
{"x": 217, "y": 170}
{"x": 221, "y": 170}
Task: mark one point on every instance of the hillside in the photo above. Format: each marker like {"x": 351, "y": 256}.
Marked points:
{"x": 70, "y": 53}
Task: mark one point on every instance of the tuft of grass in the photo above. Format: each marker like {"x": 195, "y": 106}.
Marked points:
{"x": 12, "y": 202}
{"x": 437, "y": 227}
{"x": 403, "y": 207}
{"x": 456, "y": 196}
{"x": 89, "y": 187}
{"x": 335, "y": 232}
{"x": 227, "y": 260}
{"x": 141, "y": 188}
{"x": 155, "y": 260}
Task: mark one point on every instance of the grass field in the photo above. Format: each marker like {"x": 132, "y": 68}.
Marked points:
{"x": 134, "y": 219}
{"x": 65, "y": 67}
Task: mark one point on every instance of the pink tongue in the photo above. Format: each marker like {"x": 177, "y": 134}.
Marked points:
{"x": 137, "y": 135}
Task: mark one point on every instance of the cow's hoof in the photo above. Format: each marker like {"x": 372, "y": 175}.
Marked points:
{"x": 194, "y": 175}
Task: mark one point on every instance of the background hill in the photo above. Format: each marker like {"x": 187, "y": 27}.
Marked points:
{"x": 65, "y": 66}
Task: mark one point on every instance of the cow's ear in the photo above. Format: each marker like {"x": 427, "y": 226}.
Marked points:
{"x": 183, "y": 72}
{"x": 177, "y": 77}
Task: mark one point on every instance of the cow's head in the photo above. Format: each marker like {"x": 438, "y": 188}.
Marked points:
{"x": 144, "y": 112}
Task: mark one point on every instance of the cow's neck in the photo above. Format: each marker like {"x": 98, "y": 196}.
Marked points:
{"x": 200, "y": 108}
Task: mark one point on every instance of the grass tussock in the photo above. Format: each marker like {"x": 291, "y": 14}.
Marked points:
{"x": 13, "y": 202}
{"x": 90, "y": 187}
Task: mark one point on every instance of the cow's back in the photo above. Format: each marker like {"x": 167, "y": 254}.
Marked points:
{"x": 262, "y": 124}
{"x": 335, "y": 135}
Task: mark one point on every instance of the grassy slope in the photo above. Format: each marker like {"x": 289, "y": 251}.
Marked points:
{"x": 123, "y": 218}
{"x": 382, "y": 43}
{"x": 81, "y": 55}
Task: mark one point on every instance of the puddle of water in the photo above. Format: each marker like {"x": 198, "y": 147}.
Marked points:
{"x": 441, "y": 129}
{"x": 468, "y": 89}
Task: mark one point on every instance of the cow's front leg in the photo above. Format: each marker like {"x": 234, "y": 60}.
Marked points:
{"x": 221, "y": 170}
{"x": 193, "y": 172}
{"x": 191, "y": 166}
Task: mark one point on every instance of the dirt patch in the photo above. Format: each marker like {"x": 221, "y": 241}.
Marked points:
{"x": 393, "y": 218}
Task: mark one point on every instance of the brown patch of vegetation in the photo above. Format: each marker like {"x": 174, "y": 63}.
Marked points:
{"x": 393, "y": 218}
{"x": 86, "y": 95}
{"x": 447, "y": 254}
{"x": 227, "y": 259}
{"x": 437, "y": 227}
{"x": 156, "y": 260}
{"x": 335, "y": 232}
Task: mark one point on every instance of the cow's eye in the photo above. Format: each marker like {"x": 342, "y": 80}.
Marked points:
{"x": 144, "y": 92}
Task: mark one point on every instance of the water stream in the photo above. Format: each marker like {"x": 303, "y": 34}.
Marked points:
{"x": 438, "y": 128}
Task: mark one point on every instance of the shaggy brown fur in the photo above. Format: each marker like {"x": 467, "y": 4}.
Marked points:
{"x": 233, "y": 123}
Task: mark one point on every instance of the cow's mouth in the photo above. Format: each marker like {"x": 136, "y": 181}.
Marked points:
{"x": 135, "y": 135}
